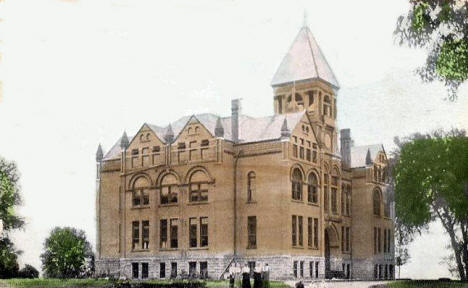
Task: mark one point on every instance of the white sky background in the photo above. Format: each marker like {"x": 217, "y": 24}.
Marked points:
{"x": 77, "y": 73}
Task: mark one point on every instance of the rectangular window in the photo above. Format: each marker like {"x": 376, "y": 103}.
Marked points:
{"x": 205, "y": 142}
{"x": 316, "y": 236}
{"x": 192, "y": 269}
{"x": 379, "y": 234}
{"x": 173, "y": 270}
{"x": 134, "y": 151}
{"x": 193, "y": 232}
{"x": 135, "y": 271}
{"x": 343, "y": 200}
{"x": 299, "y": 219}
{"x": 294, "y": 231}
{"x": 342, "y": 239}
{"x": 309, "y": 231}
{"x": 308, "y": 157}
{"x": 156, "y": 149}
{"x": 316, "y": 269}
{"x": 294, "y": 150}
{"x": 135, "y": 234}
{"x": 165, "y": 191}
{"x": 144, "y": 270}
{"x": 385, "y": 241}
{"x": 174, "y": 236}
{"x": 145, "y": 235}
{"x": 295, "y": 269}
{"x": 301, "y": 152}
{"x": 204, "y": 232}
{"x": 252, "y": 231}
{"x": 181, "y": 145}
{"x": 333, "y": 200}
{"x": 375, "y": 240}
{"x": 314, "y": 156}
{"x": 204, "y": 269}
{"x": 311, "y": 269}
{"x": 163, "y": 233}
{"x": 348, "y": 241}
{"x": 198, "y": 192}
{"x": 302, "y": 268}
{"x": 162, "y": 270}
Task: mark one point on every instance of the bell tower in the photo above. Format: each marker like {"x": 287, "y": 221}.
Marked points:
{"x": 305, "y": 81}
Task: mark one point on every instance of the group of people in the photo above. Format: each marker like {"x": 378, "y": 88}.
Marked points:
{"x": 260, "y": 274}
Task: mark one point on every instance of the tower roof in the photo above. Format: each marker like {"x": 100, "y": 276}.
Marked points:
{"x": 304, "y": 61}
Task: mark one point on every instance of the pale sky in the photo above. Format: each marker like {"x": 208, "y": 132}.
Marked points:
{"x": 77, "y": 73}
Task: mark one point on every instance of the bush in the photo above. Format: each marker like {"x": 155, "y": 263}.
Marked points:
{"x": 28, "y": 272}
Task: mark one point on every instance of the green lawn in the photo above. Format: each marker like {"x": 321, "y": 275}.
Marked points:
{"x": 426, "y": 284}
{"x": 47, "y": 282}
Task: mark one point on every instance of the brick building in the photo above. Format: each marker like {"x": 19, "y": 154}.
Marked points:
{"x": 207, "y": 192}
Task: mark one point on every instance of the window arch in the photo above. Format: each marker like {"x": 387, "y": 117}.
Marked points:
{"x": 169, "y": 189}
{"x": 250, "y": 186}
{"x": 312, "y": 188}
{"x": 377, "y": 199}
{"x": 327, "y": 106}
{"x": 198, "y": 186}
{"x": 140, "y": 195}
{"x": 296, "y": 184}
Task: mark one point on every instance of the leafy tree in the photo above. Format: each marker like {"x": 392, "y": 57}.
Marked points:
{"x": 67, "y": 254}
{"x": 28, "y": 272}
{"x": 439, "y": 26}
{"x": 8, "y": 259}
{"x": 9, "y": 200}
{"x": 431, "y": 178}
{"x": 9, "y": 195}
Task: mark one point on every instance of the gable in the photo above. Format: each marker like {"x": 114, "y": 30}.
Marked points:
{"x": 144, "y": 138}
{"x": 193, "y": 130}
{"x": 304, "y": 129}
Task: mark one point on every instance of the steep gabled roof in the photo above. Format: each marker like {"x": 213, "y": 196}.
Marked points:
{"x": 360, "y": 154}
{"x": 115, "y": 151}
{"x": 304, "y": 61}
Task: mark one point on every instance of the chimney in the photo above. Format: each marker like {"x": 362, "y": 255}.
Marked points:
{"x": 236, "y": 111}
{"x": 346, "y": 144}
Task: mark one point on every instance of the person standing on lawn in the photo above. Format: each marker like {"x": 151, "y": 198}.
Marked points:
{"x": 266, "y": 276}
{"x": 246, "y": 277}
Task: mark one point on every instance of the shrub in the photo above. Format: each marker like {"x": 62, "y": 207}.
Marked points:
{"x": 28, "y": 272}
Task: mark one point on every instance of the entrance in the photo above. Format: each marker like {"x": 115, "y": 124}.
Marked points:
{"x": 327, "y": 254}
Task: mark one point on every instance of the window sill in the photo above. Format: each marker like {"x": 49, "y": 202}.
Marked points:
{"x": 198, "y": 248}
{"x": 251, "y": 202}
{"x": 140, "y": 250}
{"x": 168, "y": 249}
{"x": 313, "y": 204}
{"x": 297, "y": 201}
{"x": 140, "y": 207}
{"x": 252, "y": 248}
{"x": 297, "y": 247}
{"x": 198, "y": 203}
{"x": 168, "y": 205}
{"x": 313, "y": 248}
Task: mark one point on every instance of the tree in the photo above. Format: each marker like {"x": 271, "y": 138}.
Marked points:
{"x": 431, "y": 175}
{"x": 28, "y": 272}
{"x": 8, "y": 259}
{"x": 9, "y": 200}
{"x": 439, "y": 26}
{"x": 67, "y": 253}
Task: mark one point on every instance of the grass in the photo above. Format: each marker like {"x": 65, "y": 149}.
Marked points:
{"x": 90, "y": 282}
{"x": 426, "y": 284}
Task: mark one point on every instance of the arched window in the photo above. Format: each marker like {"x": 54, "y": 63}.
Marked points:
{"x": 296, "y": 184}
{"x": 334, "y": 190}
{"x": 198, "y": 187}
{"x": 250, "y": 186}
{"x": 169, "y": 189}
{"x": 299, "y": 100}
{"x": 348, "y": 200}
{"x": 377, "y": 199}
{"x": 326, "y": 106}
{"x": 140, "y": 194}
{"x": 312, "y": 188}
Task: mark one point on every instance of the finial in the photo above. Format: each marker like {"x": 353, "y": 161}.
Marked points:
{"x": 285, "y": 133}
{"x": 305, "y": 22}
{"x": 169, "y": 137}
{"x": 99, "y": 154}
{"x": 219, "y": 129}
{"x": 124, "y": 141}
